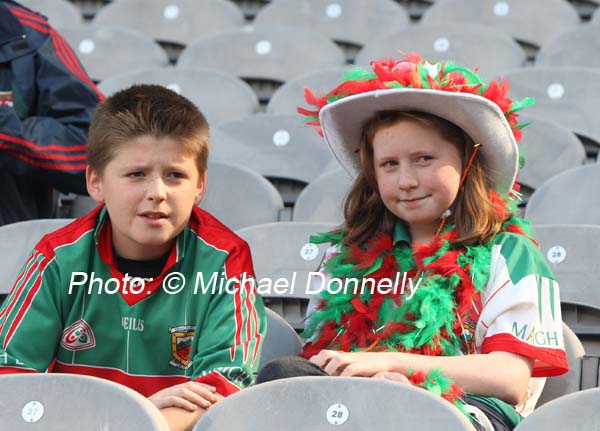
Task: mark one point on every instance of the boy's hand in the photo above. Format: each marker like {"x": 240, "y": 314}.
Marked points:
{"x": 354, "y": 364}
{"x": 188, "y": 396}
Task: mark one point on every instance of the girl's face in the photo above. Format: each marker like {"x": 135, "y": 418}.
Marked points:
{"x": 418, "y": 174}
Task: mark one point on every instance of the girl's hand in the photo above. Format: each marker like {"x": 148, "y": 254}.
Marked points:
{"x": 355, "y": 364}
{"x": 188, "y": 396}
{"x": 393, "y": 377}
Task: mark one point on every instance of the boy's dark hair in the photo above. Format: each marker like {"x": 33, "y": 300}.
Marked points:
{"x": 146, "y": 110}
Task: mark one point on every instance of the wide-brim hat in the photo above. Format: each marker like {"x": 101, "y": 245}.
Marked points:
{"x": 446, "y": 90}
{"x": 342, "y": 122}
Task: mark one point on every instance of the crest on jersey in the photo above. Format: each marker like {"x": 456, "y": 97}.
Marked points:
{"x": 78, "y": 336}
{"x": 181, "y": 345}
{"x": 6, "y": 99}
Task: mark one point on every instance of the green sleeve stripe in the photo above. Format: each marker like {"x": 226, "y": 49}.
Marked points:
{"x": 522, "y": 257}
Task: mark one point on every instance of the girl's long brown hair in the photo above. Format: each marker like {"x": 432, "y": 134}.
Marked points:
{"x": 473, "y": 211}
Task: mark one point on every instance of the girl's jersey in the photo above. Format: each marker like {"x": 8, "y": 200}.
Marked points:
{"x": 72, "y": 311}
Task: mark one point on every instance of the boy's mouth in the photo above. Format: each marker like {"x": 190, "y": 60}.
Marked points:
{"x": 153, "y": 214}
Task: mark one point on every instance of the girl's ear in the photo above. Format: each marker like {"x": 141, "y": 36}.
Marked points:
{"x": 93, "y": 182}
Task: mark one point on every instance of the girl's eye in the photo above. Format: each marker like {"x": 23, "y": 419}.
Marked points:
{"x": 389, "y": 163}
{"x": 422, "y": 159}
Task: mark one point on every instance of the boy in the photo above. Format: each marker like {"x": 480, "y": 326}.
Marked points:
{"x": 143, "y": 290}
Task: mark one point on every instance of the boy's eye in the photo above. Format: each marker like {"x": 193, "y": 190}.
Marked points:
{"x": 136, "y": 174}
{"x": 177, "y": 175}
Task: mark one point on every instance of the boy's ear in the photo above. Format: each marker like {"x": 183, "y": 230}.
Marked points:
{"x": 201, "y": 188}
{"x": 94, "y": 184}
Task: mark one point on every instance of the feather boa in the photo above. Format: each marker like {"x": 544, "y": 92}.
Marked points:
{"x": 429, "y": 323}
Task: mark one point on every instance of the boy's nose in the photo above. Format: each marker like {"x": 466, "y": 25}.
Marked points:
{"x": 157, "y": 190}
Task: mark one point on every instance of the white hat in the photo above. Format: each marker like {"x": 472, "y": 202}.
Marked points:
{"x": 446, "y": 90}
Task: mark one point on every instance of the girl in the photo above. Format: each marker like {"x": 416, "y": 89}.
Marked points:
{"x": 433, "y": 150}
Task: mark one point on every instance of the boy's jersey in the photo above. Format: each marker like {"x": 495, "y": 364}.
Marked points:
{"x": 70, "y": 311}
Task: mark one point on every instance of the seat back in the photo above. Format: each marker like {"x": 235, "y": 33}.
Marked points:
{"x": 60, "y": 13}
{"x": 74, "y": 402}
{"x": 567, "y": 198}
{"x": 326, "y": 403}
{"x": 577, "y": 47}
{"x": 494, "y": 51}
{"x": 570, "y": 382}
{"x": 17, "y": 240}
{"x": 323, "y": 199}
{"x": 196, "y": 84}
{"x": 281, "y": 339}
{"x": 107, "y": 51}
{"x": 283, "y": 259}
{"x": 576, "y": 411}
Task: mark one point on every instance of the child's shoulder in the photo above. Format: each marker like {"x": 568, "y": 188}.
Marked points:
{"x": 520, "y": 254}
{"x": 71, "y": 235}
{"x": 214, "y": 233}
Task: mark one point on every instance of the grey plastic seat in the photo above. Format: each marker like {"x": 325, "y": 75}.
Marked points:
{"x": 290, "y": 95}
{"x": 523, "y": 20}
{"x": 236, "y": 195}
{"x": 578, "y": 47}
{"x": 570, "y": 197}
{"x": 180, "y": 22}
{"x": 60, "y": 13}
{"x": 55, "y": 401}
{"x": 16, "y": 243}
{"x": 239, "y": 196}
{"x": 568, "y": 96}
{"x": 351, "y": 23}
{"x": 572, "y": 253}
{"x": 212, "y": 91}
{"x": 281, "y": 339}
{"x": 282, "y": 251}
{"x": 549, "y": 150}
{"x": 596, "y": 14}
{"x": 493, "y": 52}
{"x": 107, "y": 51}
{"x": 323, "y": 199}
{"x": 265, "y": 58}
{"x": 280, "y": 147}
{"x": 569, "y": 382}
{"x": 327, "y": 403}
{"x": 576, "y": 411}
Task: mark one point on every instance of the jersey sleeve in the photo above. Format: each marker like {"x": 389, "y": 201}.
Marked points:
{"x": 231, "y": 337}
{"x": 30, "y": 323}
{"x": 521, "y": 307}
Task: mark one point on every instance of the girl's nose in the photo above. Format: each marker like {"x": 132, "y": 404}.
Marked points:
{"x": 407, "y": 179}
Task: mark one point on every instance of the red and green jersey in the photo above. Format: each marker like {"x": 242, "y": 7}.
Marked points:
{"x": 70, "y": 310}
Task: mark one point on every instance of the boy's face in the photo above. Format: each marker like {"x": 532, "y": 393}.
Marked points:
{"x": 149, "y": 189}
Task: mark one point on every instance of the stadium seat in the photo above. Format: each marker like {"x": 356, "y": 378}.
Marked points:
{"x": 493, "y": 52}
{"x": 576, "y": 411}
{"x": 55, "y": 401}
{"x": 323, "y": 199}
{"x": 596, "y": 15}
{"x": 549, "y": 149}
{"x": 212, "y": 91}
{"x": 240, "y": 197}
{"x": 351, "y": 23}
{"x": 107, "y": 51}
{"x": 265, "y": 58}
{"x": 571, "y": 251}
{"x": 236, "y": 195}
{"x": 578, "y": 47}
{"x": 570, "y": 197}
{"x": 60, "y": 13}
{"x": 290, "y": 95}
{"x": 568, "y": 96}
{"x": 328, "y": 403}
{"x": 523, "y": 20}
{"x": 283, "y": 258}
{"x": 17, "y": 240}
{"x": 570, "y": 382}
{"x": 180, "y": 22}
{"x": 279, "y": 147}
{"x": 281, "y": 339}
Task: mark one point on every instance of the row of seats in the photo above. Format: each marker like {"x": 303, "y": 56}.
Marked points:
{"x": 38, "y": 401}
